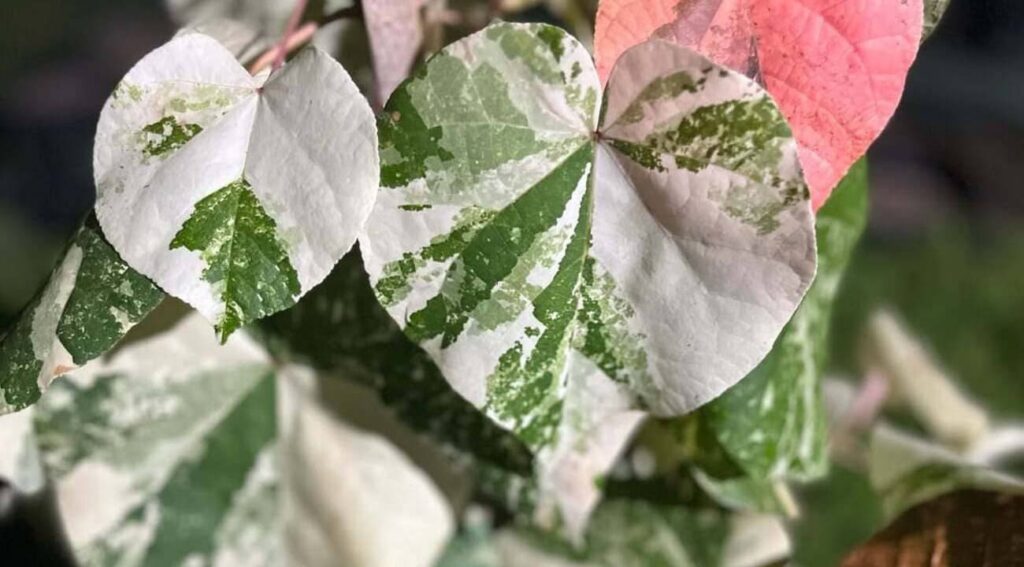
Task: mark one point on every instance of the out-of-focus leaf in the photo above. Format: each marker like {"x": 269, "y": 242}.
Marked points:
{"x": 341, "y": 329}
{"x": 396, "y": 32}
{"x": 267, "y": 16}
{"x": 907, "y": 471}
{"x": 917, "y": 381}
{"x": 553, "y": 274}
{"x": 164, "y": 453}
{"x": 973, "y": 273}
{"x": 631, "y": 533}
{"x": 836, "y": 69}
{"x": 171, "y": 452}
{"x": 242, "y": 40}
{"x": 837, "y": 513}
{"x": 234, "y": 193}
{"x": 350, "y": 497}
{"x": 933, "y": 12}
{"x": 966, "y": 528}
{"x": 19, "y": 461}
{"x": 91, "y": 300}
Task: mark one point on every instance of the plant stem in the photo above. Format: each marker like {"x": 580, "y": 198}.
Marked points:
{"x": 293, "y": 24}
{"x": 295, "y": 37}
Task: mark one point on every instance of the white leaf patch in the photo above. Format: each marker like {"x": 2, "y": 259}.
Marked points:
{"x": 187, "y": 125}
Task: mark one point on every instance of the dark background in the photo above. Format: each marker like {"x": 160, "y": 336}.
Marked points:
{"x": 945, "y": 246}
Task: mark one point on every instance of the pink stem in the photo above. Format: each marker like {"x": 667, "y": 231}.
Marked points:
{"x": 293, "y": 23}
{"x": 297, "y": 38}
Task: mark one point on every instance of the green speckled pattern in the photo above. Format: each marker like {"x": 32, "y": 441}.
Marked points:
{"x": 549, "y": 270}
{"x": 90, "y": 302}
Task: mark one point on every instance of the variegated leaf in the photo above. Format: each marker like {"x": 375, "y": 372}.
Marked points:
{"x": 171, "y": 453}
{"x": 164, "y": 455}
{"x": 772, "y": 424}
{"x": 568, "y": 278}
{"x": 231, "y": 194}
{"x": 837, "y": 69}
{"x": 89, "y": 303}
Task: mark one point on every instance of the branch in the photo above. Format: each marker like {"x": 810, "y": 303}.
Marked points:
{"x": 293, "y": 24}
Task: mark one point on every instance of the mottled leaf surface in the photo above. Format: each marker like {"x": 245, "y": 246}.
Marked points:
{"x": 567, "y": 282}
{"x": 180, "y": 451}
{"x": 772, "y": 424}
{"x": 231, "y": 194}
{"x": 836, "y": 69}
{"x": 89, "y": 303}
{"x": 164, "y": 455}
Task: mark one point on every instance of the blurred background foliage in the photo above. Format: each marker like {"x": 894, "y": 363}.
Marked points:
{"x": 944, "y": 248}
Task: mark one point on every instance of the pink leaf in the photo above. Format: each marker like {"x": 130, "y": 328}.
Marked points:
{"x": 395, "y": 32}
{"x": 837, "y": 68}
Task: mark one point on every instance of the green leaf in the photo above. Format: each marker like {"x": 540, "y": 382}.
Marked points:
{"x": 90, "y": 302}
{"x": 772, "y": 424}
{"x": 246, "y": 261}
{"x": 571, "y": 270}
{"x": 234, "y": 193}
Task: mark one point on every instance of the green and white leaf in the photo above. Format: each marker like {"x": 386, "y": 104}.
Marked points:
{"x": 235, "y": 195}
{"x": 906, "y": 471}
{"x": 773, "y": 424}
{"x": 163, "y": 455}
{"x": 172, "y": 452}
{"x": 566, "y": 282}
{"x": 91, "y": 300}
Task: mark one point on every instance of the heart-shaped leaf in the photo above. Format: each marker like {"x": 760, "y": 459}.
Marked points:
{"x": 836, "y": 69}
{"x": 565, "y": 277}
{"x": 234, "y": 195}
